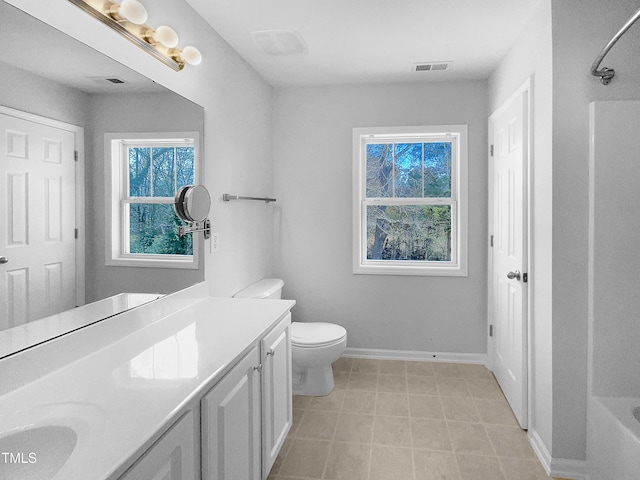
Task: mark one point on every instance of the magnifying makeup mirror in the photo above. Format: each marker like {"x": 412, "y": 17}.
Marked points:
{"x": 192, "y": 204}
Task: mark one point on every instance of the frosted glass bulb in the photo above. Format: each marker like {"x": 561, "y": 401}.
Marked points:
{"x": 167, "y": 36}
{"x": 133, "y": 11}
{"x": 191, "y": 55}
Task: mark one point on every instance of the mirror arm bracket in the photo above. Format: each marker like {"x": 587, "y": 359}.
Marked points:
{"x": 204, "y": 227}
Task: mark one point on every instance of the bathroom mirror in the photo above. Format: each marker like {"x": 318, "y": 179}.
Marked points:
{"x": 193, "y": 203}
{"x": 46, "y": 73}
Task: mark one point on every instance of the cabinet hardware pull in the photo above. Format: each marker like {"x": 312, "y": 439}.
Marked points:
{"x": 258, "y": 368}
{"x": 271, "y": 352}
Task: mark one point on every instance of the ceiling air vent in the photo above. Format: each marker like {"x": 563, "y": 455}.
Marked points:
{"x": 279, "y": 42}
{"x": 431, "y": 66}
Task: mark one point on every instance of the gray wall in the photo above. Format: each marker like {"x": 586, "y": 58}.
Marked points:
{"x": 130, "y": 113}
{"x": 313, "y": 183}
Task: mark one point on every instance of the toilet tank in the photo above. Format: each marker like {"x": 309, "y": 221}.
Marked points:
{"x": 265, "y": 288}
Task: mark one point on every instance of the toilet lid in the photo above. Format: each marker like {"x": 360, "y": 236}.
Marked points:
{"x": 316, "y": 333}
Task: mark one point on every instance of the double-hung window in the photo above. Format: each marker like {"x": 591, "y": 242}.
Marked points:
{"x": 410, "y": 200}
{"x": 146, "y": 171}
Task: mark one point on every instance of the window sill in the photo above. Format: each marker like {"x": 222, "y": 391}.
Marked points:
{"x": 188, "y": 262}
{"x": 444, "y": 271}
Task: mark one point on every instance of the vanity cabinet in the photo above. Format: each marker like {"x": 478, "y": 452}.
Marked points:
{"x": 276, "y": 392}
{"x": 231, "y": 424}
{"x": 172, "y": 457}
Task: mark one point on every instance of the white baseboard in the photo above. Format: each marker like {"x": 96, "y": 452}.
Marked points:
{"x": 557, "y": 467}
{"x": 383, "y": 354}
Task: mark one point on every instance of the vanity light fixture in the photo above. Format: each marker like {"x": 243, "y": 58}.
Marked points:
{"x": 128, "y": 19}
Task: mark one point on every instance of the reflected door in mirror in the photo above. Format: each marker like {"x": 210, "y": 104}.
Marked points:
{"x": 37, "y": 220}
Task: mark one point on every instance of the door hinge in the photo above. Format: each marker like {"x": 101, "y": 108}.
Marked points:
{"x": 75, "y": 233}
{"x": 491, "y": 330}
{"x": 491, "y": 150}
{"x": 75, "y": 155}
{"x": 525, "y": 278}
{"x": 491, "y": 241}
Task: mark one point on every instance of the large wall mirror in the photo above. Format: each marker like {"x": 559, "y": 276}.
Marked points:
{"x": 62, "y": 221}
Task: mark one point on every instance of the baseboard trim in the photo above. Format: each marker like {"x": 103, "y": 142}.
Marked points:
{"x": 557, "y": 467}
{"x": 383, "y": 354}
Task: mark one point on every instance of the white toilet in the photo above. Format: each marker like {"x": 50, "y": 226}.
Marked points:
{"x": 314, "y": 345}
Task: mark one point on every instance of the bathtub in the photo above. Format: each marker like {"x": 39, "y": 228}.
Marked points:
{"x": 613, "y": 444}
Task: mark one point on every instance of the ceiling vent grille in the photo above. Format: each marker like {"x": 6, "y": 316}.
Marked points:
{"x": 430, "y": 67}
{"x": 279, "y": 42}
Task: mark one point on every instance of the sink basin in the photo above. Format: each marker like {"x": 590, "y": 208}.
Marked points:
{"x": 36, "y": 452}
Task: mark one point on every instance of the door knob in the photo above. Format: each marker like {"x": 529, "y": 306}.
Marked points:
{"x": 4, "y": 260}
{"x": 512, "y": 275}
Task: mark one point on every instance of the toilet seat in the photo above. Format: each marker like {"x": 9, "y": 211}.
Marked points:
{"x": 316, "y": 334}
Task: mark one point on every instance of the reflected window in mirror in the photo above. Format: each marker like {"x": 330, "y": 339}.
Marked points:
{"x": 145, "y": 175}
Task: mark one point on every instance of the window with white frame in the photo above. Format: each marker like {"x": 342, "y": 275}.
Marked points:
{"x": 410, "y": 200}
{"x": 146, "y": 171}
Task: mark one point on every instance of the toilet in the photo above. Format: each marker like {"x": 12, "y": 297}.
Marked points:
{"x": 314, "y": 345}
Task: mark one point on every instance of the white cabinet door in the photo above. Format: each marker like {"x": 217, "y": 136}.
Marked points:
{"x": 276, "y": 391}
{"x": 231, "y": 424}
{"x": 173, "y": 457}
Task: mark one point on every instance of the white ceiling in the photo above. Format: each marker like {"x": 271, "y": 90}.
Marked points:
{"x": 365, "y": 41}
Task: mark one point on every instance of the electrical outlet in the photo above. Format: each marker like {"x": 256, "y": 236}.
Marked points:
{"x": 215, "y": 241}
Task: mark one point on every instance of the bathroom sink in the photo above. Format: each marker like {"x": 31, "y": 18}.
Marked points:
{"x": 36, "y": 452}
{"x": 636, "y": 413}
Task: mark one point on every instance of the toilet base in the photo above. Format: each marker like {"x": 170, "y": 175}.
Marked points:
{"x": 313, "y": 381}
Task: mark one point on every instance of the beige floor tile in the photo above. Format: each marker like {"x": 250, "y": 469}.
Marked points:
{"x": 475, "y": 467}
{"x": 352, "y": 427}
{"x": 392, "y": 383}
{"x": 484, "y": 389}
{"x": 341, "y": 379}
{"x": 363, "y": 381}
{"x": 281, "y": 455}
{"x": 419, "y": 368}
{"x": 430, "y": 465}
{"x": 348, "y": 461}
{"x": 306, "y": 458}
{"x": 392, "y": 367}
{"x": 297, "y": 418}
{"x": 475, "y": 372}
{"x": 510, "y": 441}
{"x": 519, "y": 469}
{"x": 425, "y": 406}
{"x": 495, "y": 411}
{"x": 422, "y": 384}
{"x": 301, "y": 401}
{"x": 469, "y": 438}
{"x": 462, "y": 409}
{"x": 343, "y": 364}
{"x": 391, "y": 431}
{"x": 330, "y": 403}
{"x": 318, "y": 425}
{"x": 391, "y": 463}
{"x": 392, "y": 404}
{"x": 365, "y": 365}
{"x": 359, "y": 401}
{"x": 430, "y": 434}
{"x": 450, "y": 370}
{"x": 452, "y": 387}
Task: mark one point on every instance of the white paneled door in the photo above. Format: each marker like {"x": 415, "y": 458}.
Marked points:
{"x": 37, "y": 220}
{"x": 509, "y": 139}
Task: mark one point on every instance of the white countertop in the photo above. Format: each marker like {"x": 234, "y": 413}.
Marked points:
{"x": 121, "y": 394}
{"x": 32, "y": 333}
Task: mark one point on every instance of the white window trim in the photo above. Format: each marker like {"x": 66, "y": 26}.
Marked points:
{"x": 114, "y": 212}
{"x": 458, "y": 266}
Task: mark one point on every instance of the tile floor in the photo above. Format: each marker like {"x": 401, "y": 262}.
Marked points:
{"x": 397, "y": 420}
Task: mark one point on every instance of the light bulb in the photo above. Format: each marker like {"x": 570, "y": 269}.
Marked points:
{"x": 167, "y": 36}
{"x": 133, "y": 11}
{"x": 191, "y": 55}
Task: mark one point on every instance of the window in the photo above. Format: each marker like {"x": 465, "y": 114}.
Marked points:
{"x": 146, "y": 171}
{"x": 410, "y": 200}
